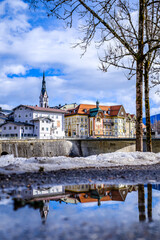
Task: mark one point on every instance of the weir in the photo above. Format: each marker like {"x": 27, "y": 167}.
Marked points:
{"x": 69, "y": 147}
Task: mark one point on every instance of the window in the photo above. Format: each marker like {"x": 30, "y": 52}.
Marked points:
{"x": 81, "y": 119}
{"x": 30, "y": 128}
{"x": 15, "y": 127}
{"x": 46, "y": 121}
{"x": 56, "y": 132}
{"x": 15, "y": 115}
{"x": 20, "y": 108}
{"x": 36, "y": 127}
{"x": 57, "y": 116}
{"x": 85, "y": 119}
{"x": 26, "y": 121}
{"x": 26, "y": 128}
{"x": 10, "y": 128}
{"x": 19, "y": 116}
{"x": 4, "y": 128}
{"x": 42, "y": 128}
{"x": 30, "y": 114}
{"x": 26, "y": 115}
{"x": 46, "y": 129}
{"x": 42, "y": 121}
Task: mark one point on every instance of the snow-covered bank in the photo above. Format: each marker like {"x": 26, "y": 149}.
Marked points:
{"x": 9, "y": 164}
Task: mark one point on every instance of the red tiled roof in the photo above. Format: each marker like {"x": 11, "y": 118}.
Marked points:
{"x": 114, "y": 110}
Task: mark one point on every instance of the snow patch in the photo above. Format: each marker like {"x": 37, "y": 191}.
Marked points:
{"x": 10, "y": 164}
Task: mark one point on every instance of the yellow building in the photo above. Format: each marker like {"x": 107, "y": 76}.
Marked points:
{"x": 98, "y": 121}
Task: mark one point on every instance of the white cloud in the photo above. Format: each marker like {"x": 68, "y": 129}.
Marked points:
{"x": 5, "y": 106}
{"x": 25, "y": 46}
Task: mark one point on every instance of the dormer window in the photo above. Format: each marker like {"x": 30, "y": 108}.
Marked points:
{"x": 108, "y": 111}
{"x": 85, "y": 110}
{"x": 104, "y": 112}
{"x": 74, "y": 111}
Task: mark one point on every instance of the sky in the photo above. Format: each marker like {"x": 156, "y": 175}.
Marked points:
{"x": 31, "y": 43}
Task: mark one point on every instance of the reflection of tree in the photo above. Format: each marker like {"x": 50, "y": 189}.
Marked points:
{"x": 141, "y": 202}
{"x": 149, "y": 204}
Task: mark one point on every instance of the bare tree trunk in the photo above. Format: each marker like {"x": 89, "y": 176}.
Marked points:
{"x": 139, "y": 94}
{"x": 139, "y": 79}
{"x": 147, "y": 108}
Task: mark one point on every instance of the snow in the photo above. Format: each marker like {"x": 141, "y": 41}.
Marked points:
{"x": 10, "y": 164}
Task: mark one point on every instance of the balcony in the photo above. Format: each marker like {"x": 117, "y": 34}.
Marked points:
{"x": 108, "y": 123}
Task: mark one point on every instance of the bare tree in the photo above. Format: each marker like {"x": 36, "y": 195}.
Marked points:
{"x": 117, "y": 20}
{"x": 151, "y": 37}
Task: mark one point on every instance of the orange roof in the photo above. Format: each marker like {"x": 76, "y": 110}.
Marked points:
{"x": 80, "y": 109}
{"x": 83, "y": 199}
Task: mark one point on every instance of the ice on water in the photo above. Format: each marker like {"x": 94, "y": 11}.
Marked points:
{"x": 11, "y": 164}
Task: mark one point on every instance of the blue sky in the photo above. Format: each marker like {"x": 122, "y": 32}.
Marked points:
{"x": 30, "y": 42}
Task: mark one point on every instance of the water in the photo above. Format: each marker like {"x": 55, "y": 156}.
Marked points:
{"x": 86, "y": 211}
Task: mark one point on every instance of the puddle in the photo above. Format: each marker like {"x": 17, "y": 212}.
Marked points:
{"x": 86, "y": 211}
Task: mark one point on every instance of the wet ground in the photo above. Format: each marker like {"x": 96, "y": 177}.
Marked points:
{"x": 115, "y": 203}
{"x": 84, "y": 211}
{"x": 125, "y": 174}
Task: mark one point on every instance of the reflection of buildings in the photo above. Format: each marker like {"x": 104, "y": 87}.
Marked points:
{"x": 84, "y": 193}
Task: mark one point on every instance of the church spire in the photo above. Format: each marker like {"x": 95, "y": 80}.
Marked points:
{"x": 43, "y": 84}
{"x": 43, "y": 99}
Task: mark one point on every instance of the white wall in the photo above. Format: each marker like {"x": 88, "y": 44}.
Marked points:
{"x": 23, "y": 114}
{"x": 10, "y": 129}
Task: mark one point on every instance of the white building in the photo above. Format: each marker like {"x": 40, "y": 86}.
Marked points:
{"x": 32, "y": 121}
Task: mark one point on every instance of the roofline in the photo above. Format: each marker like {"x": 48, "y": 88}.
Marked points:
{"x": 40, "y": 110}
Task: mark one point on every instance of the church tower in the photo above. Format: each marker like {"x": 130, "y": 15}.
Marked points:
{"x": 43, "y": 99}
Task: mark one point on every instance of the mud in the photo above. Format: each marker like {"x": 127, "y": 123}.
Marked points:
{"x": 115, "y": 175}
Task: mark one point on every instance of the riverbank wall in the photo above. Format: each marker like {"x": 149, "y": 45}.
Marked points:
{"x": 69, "y": 147}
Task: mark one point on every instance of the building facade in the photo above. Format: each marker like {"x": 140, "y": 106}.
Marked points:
{"x": 99, "y": 121}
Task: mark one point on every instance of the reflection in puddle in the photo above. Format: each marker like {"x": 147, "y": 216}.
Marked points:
{"x": 86, "y": 204}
